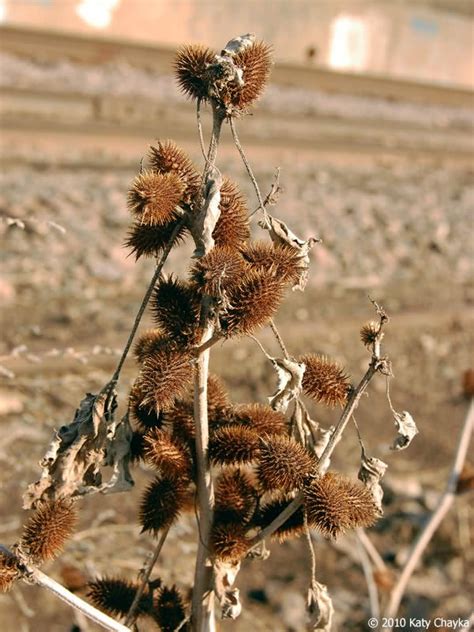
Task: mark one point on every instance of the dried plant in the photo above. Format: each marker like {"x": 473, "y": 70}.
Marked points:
{"x": 170, "y": 610}
{"x": 251, "y": 471}
{"x": 115, "y": 596}
{"x": 48, "y": 529}
{"x": 324, "y": 380}
{"x": 334, "y": 504}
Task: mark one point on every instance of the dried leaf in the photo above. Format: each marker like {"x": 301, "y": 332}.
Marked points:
{"x": 290, "y": 379}
{"x": 319, "y": 438}
{"x": 319, "y": 607}
{"x": 225, "y": 574}
{"x": 206, "y": 220}
{"x": 281, "y": 234}
{"x": 406, "y": 428}
{"x": 117, "y": 456}
{"x": 238, "y": 44}
{"x": 72, "y": 465}
{"x": 370, "y": 473}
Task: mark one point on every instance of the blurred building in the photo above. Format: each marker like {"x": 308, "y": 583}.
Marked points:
{"x": 426, "y": 40}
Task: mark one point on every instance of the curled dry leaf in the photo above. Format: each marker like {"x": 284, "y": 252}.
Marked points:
{"x": 319, "y": 438}
{"x": 290, "y": 379}
{"x": 225, "y": 574}
{"x": 237, "y": 44}
{"x": 205, "y": 221}
{"x": 280, "y": 234}
{"x": 370, "y": 473}
{"x": 72, "y": 466}
{"x": 406, "y": 428}
{"x": 319, "y": 607}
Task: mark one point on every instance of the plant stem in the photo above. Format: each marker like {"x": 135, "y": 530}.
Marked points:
{"x": 437, "y": 516}
{"x": 279, "y": 339}
{"x": 202, "y": 615}
{"x": 369, "y": 578}
{"x": 351, "y": 405}
{"x": 203, "y": 596}
{"x": 130, "y": 620}
{"x": 143, "y": 305}
{"x": 35, "y": 576}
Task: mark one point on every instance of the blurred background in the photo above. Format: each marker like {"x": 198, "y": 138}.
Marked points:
{"x": 369, "y": 115}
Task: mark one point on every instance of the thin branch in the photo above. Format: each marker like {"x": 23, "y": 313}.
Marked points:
{"x": 365, "y": 562}
{"x": 262, "y": 348}
{"x": 279, "y": 339}
{"x": 444, "y": 504}
{"x": 130, "y": 620}
{"x": 351, "y": 405}
{"x": 143, "y": 305}
{"x": 199, "y": 126}
{"x": 204, "y": 346}
{"x": 35, "y": 576}
{"x": 248, "y": 167}
{"x": 312, "y": 554}
{"x": 372, "y": 552}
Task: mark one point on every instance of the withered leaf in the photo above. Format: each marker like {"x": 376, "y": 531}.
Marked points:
{"x": 319, "y": 607}
{"x": 238, "y": 44}
{"x": 290, "y": 378}
{"x": 203, "y": 224}
{"x": 281, "y": 234}
{"x": 72, "y": 465}
{"x": 225, "y": 574}
{"x": 406, "y": 428}
{"x": 370, "y": 473}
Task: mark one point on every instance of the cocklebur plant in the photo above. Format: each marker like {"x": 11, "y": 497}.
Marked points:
{"x": 250, "y": 471}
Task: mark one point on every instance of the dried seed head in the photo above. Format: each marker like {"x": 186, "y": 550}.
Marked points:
{"x": 148, "y": 342}
{"x": 368, "y": 333}
{"x": 165, "y": 376}
{"x": 167, "y": 157}
{"x": 253, "y": 302}
{"x": 175, "y": 306}
{"x": 218, "y": 400}
{"x": 229, "y": 542}
{"x": 153, "y": 197}
{"x": 137, "y": 447}
{"x": 9, "y": 572}
{"x": 149, "y": 241}
{"x": 115, "y": 596}
{"x": 221, "y": 268}
{"x": 162, "y": 503}
{"x": 180, "y": 417}
{"x": 233, "y": 444}
{"x": 235, "y": 496}
{"x": 283, "y": 258}
{"x": 261, "y": 418}
{"x": 191, "y": 66}
{"x": 167, "y": 454}
{"x": 256, "y": 62}
{"x": 293, "y": 527}
{"x": 142, "y": 415}
{"x": 324, "y": 380}
{"x": 232, "y": 228}
{"x": 48, "y": 528}
{"x": 334, "y": 504}
{"x": 169, "y": 610}
{"x": 283, "y": 464}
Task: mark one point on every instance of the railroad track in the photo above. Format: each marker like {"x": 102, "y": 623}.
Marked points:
{"x": 57, "y": 117}
{"x": 51, "y": 45}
